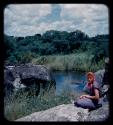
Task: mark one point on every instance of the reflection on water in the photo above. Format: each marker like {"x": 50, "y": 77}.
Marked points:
{"x": 73, "y": 81}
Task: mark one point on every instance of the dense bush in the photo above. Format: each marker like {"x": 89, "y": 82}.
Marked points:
{"x": 23, "y": 49}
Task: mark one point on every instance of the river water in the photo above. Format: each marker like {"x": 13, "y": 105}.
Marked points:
{"x": 69, "y": 81}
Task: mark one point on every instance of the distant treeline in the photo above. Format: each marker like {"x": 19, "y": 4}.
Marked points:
{"x": 52, "y": 42}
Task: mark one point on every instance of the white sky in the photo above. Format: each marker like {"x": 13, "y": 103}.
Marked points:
{"x": 30, "y": 19}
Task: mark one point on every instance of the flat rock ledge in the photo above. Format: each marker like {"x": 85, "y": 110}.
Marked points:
{"x": 65, "y": 112}
{"x": 68, "y": 112}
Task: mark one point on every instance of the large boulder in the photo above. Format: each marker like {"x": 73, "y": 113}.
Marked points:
{"x": 99, "y": 76}
{"x": 100, "y": 114}
{"x": 59, "y": 113}
{"x": 68, "y": 112}
{"x": 17, "y": 77}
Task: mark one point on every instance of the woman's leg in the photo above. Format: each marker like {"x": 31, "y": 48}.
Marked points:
{"x": 85, "y": 103}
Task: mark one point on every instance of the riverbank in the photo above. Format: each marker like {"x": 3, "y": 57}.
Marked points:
{"x": 71, "y": 62}
{"x": 20, "y": 104}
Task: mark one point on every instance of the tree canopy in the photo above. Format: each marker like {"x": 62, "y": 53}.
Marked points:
{"x": 22, "y": 49}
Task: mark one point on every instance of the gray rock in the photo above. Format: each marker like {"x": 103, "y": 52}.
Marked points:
{"x": 68, "y": 112}
{"x": 17, "y": 77}
{"x": 100, "y": 114}
{"x": 59, "y": 113}
{"x": 99, "y": 76}
{"x": 104, "y": 88}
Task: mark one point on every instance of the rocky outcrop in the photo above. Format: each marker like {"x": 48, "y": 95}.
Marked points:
{"x": 68, "y": 112}
{"x": 18, "y": 77}
{"x": 101, "y": 114}
{"x": 99, "y": 76}
{"x": 59, "y": 113}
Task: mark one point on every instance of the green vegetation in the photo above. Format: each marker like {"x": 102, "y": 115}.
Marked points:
{"x": 58, "y": 50}
{"x": 58, "y": 43}
{"x": 75, "y": 62}
{"x": 20, "y": 104}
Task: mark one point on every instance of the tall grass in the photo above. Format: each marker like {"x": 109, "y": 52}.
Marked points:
{"x": 76, "y": 62}
{"x": 21, "y": 104}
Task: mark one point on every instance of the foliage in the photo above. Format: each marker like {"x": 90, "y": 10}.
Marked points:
{"x": 76, "y": 62}
{"x": 52, "y": 42}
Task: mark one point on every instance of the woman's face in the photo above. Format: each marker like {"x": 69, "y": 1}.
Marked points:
{"x": 90, "y": 78}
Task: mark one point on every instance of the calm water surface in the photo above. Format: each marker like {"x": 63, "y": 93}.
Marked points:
{"x": 73, "y": 81}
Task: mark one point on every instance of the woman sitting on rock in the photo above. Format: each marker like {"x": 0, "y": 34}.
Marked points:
{"x": 91, "y": 100}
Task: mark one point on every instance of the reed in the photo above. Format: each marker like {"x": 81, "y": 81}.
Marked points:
{"x": 72, "y": 62}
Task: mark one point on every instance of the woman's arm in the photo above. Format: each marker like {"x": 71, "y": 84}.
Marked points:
{"x": 96, "y": 91}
